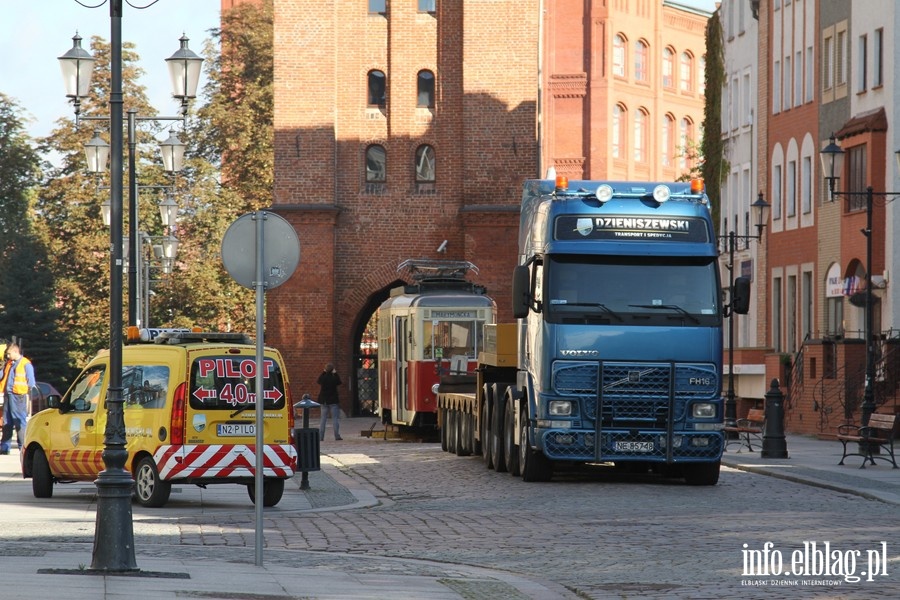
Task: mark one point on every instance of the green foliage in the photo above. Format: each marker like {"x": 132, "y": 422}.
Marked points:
{"x": 29, "y": 305}
{"x": 715, "y": 167}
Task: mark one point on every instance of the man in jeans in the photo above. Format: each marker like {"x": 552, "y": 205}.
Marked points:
{"x": 19, "y": 381}
{"x": 328, "y": 397}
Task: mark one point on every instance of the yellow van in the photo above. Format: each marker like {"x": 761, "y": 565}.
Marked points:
{"x": 189, "y": 402}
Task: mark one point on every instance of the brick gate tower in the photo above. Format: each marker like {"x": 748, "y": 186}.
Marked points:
{"x": 397, "y": 127}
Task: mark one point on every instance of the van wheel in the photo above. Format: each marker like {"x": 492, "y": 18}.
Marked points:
{"x": 41, "y": 477}
{"x": 273, "y": 490}
{"x": 149, "y": 489}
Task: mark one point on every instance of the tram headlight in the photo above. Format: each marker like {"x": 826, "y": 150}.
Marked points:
{"x": 560, "y": 408}
{"x": 435, "y": 388}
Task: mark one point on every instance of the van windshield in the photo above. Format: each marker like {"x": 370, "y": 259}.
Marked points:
{"x": 229, "y": 383}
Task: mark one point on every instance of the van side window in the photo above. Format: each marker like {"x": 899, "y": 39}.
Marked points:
{"x": 145, "y": 386}
{"x": 85, "y": 394}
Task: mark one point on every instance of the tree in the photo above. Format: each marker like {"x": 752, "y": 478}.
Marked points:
{"x": 715, "y": 167}
{"x": 29, "y": 307}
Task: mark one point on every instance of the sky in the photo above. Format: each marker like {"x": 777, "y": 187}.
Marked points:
{"x": 34, "y": 33}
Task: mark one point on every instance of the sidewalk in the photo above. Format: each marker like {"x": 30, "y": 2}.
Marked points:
{"x": 815, "y": 462}
{"x": 175, "y": 570}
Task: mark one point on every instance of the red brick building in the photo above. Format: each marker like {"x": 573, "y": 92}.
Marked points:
{"x": 402, "y": 124}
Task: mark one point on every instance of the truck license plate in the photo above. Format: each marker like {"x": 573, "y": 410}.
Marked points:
{"x": 236, "y": 429}
{"x": 634, "y": 446}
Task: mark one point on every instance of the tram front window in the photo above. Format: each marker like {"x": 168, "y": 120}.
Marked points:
{"x": 444, "y": 339}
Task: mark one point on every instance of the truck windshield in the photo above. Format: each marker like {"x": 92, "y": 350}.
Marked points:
{"x": 632, "y": 290}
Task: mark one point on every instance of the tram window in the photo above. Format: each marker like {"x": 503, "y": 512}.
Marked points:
{"x": 443, "y": 339}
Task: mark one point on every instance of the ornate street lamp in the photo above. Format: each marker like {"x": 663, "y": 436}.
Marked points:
{"x": 77, "y": 64}
{"x": 761, "y": 210}
{"x": 172, "y": 151}
{"x": 184, "y": 71}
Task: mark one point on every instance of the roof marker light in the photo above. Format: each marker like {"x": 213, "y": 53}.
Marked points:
{"x": 562, "y": 183}
{"x": 697, "y": 185}
{"x": 604, "y": 193}
{"x": 661, "y": 193}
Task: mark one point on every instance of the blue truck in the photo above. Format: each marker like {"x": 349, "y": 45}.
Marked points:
{"x": 618, "y": 341}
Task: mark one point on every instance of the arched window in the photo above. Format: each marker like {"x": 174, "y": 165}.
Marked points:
{"x": 687, "y": 72}
{"x": 668, "y": 140}
{"x": 640, "y": 136}
{"x": 376, "y": 164}
{"x": 641, "y": 61}
{"x": 668, "y": 68}
{"x": 618, "y": 131}
{"x": 685, "y": 139}
{"x": 377, "y": 87}
{"x": 619, "y": 55}
{"x": 425, "y": 89}
{"x": 425, "y": 164}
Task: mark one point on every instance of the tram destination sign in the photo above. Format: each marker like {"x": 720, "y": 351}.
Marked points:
{"x": 630, "y": 227}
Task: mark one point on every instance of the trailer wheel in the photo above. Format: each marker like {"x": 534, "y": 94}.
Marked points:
{"x": 532, "y": 463}
{"x": 463, "y": 442}
{"x": 474, "y": 440}
{"x": 497, "y": 434}
{"x": 510, "y": 451}
{"x": 487, "y": 456}
{"x": 702, "y": 473}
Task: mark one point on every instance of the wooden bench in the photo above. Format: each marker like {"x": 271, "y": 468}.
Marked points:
{"x": 877, "y": 436}
{"x": 747, "y": 430}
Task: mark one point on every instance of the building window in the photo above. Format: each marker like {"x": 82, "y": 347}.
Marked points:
{"x": 425, "y": 89}
{"x": 427, "y": 6}
{"x": 668, "y": 140}
{"x": 687, "y": 72}
{"x": 425, "y": 164}
{"x": 834, "y": 315}
{"x": 786, "y": 85}
{"x": 878, "y": 58}
{"x": 685, "y": 137}
{"x": 377, "y": 7}
{"x": 791, "y": 192}
{"x": 668, "y": 68}
{"x": 806, "y": 304}
{"x": 798, "y": 79}
{"x": 701, "y": 75}
{"x": 619, "y": 55}
{"x": 641, "y": 61}
{"x": 618, "y": 131}
{"x": 376, "y": 164}
{"x": 640, "y": 136}
{"x": 856, "y": 177}
{"x": 840, "y": 61}
{"x": 776, "y": 192}
{"x": 777, "y": 342}
{"x": 776, "y": 88}
{"x": 790, "y": 314}
{"x": 863, "y": 67}
{"x": 827, "y": 68}
{"x": 809, "y": 75}
{"x": 377, "y": 88}
{"x": 806, "y": 186}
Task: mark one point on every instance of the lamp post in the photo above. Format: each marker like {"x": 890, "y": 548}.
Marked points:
{"x": 832, "y": 157}
{"x": 113, "y": 549}
{"x": 760, "y": 207}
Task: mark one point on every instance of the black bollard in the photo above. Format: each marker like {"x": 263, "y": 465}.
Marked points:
{"x": 307, "y": 443}
{"x": 774, "y": 444}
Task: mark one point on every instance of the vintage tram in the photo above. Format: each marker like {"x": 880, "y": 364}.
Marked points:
{"x": 429, "y": 328}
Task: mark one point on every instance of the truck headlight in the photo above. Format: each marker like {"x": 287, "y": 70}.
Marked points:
{"x": 560, "y": 408}
{"x": 703, "y": 410}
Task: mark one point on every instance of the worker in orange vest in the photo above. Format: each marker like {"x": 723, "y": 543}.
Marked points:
{"x": 17, "y": 384}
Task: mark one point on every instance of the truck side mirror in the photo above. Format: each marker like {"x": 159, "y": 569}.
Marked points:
{"x": 521, "y": 292}
{"x": 740, "y": 296}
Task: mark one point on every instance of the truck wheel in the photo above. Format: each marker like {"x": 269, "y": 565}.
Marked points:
{"x": 497, "y": 418}
{"x": 273, "y": 490}
{"x": 475, "y": 442}
{"x": 149, "y": 489}
{"x": 532, "y": 463}
{"x": 41, "y": 477}
{"x": 510, "y": 451}
{"x": 702, "y": 473}
{"x": 487, "y": 456}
